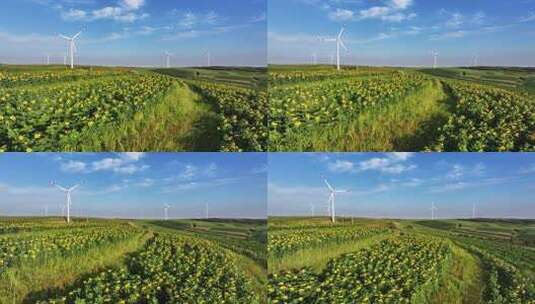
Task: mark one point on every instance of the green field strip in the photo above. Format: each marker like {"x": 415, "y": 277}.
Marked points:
{"x": 317, "y": 257}
{"x": 30, "y": 281}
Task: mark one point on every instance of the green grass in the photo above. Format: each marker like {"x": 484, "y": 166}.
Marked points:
{"x": 406, "y": 125}
{"x": 251, "y": 78}
{"x": 181, "y": 121}
{"x": 30, "y": 281}
{"x": 317, "y": 257}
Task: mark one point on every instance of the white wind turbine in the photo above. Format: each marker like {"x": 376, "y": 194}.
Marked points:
{"x": 475, "y": 59}
{"x": 166, "y": 211}
{"x": 67, "y": 191}
{"x": 168, "y": 59}
{"x": 72, "y": 46}
{"x": 47, "y": 59}
{"x": 433, "y": 208}
{"x": 208, "y": 58}
{"x": 312, "y": 209}
{"x": 332, "y": 197}
{"x": 435, "y": 58}
{"x": 314, "y": 58}
{"x": 339, "y": 43}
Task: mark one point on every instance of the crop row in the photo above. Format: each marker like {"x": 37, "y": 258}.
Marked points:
{"x": 53, "y": 117}
{"x": 283, "y": 242}
{"x": 17, "y": 249}
{"x": 303, "y": 106}
{"x": 11, "y": 79}
{"x": 170, "y": 269}
{"x": 488, "y": 119}
{"x": 243, "y": 116}
{"x": 393, "y": 271}
{"x": 295, "y": 76}
{"x": 15, "y": 226}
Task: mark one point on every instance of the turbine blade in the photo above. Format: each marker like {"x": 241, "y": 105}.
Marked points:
{"x": 343, "y": 45}
{"x": 341, "y": 32}
{"x": 65, "y": 37}
{"x": 328, "y": 185}
{"x": 60, "y": 188}
{"x": 74, "y": 187}
{"x": 76, "y": 36}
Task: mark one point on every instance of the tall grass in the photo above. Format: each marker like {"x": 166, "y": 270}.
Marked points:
{"x": 317, "y": 257}
{"x": 28, "y": 282}
{"x": 181, "y": 121}
{"x": 406, "y": 125}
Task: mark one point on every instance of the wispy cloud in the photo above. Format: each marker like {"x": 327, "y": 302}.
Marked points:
{"x": 124, "y": 11}
{"x": 392, "y": 163}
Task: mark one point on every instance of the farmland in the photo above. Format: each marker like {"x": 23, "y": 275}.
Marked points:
{"x": 44, "y": 260}
{"x": 401, "y": 261}
{"x": 49, "y": 108}
{"x": 316, "y": 108}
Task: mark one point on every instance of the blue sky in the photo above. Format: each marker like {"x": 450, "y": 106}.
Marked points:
{"x": 404, "y": 32}
{"x": 135, "y": 32}
{"x": 403, "y": 185}
{"x": 133, "y": 185}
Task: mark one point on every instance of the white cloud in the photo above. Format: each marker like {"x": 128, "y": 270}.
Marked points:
{"x": 132, "y": 4}
{"x": 456, "y": 172}
{"x": 73, "y": 166}
{"x": 123, "y": 164}
{"x": 124, "y": 12}
{"x": 392, "y": 163}
{"x": 528, "y": 18}
{"x": 341, "y": 15}
{"x": 401, "y": 4}
{"x": 455, "y": 21}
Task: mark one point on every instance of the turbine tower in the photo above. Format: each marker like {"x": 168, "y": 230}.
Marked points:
{"x": 47, "y": 59}
{"x": 168, "y": 59}
{"x": 312, "y": 210}
{"x": 433, "y": 208}
{"x": 475, "y": 59}
{"x": 314, "y": 58}
{"x": 67, "y": 191}
{"x": 332, "y": 197}
{"x": 339, "y": 43}
{"x": 208, "y": 59}
{"x": 166, "y": 211}
{"x": 473, "y": 210}
{"x": 72, "y": 45}
{"x": 435, "y": 58}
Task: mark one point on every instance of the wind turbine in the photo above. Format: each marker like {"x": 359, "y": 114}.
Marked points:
{"x": 168, "y": 59}
{"x": 166, "y": 211}
{"x": 475, "y": 59}
{"x": 47, "y": 59}
{"x": 67, "y": 191}
{"x": 208, "y": 59}
{"x": 433, "y": 208}
{"x": 332, "y": 196}
{"x": 314, "y": 58}
{"x": 435, "y": 58}
{"x": 339, "y": 43}
{"x": 312, "y": 209}
{"x": 206, "y": 210}
{"x": 72, "y": 45}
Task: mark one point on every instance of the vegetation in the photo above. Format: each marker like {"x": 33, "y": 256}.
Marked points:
{"x": 317, "y": 108}
{"x": 117, "y": 109}
{"x": 118, "y": 261}
{"x": 442, "y": 261}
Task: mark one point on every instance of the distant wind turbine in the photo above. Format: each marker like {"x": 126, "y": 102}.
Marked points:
{"x": 435, "y": 59}
{"x": 47, "y": 59}
{"x": 208, "y": 58}
{"x": 433, "y": 208}
{"x": 67, "y": 191}
{"x": 206, "y": 210}
{"x": 168, "y": 59}
{"x": 332, "y": 197}
{"x": 314, "y": 58}
{"x": 312, "y": 209}
{"x": 166, "y": 211}
{"x": 475, "y": 59}
{"x": 339, "y": 43}
{"x": 72, "y": 45}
